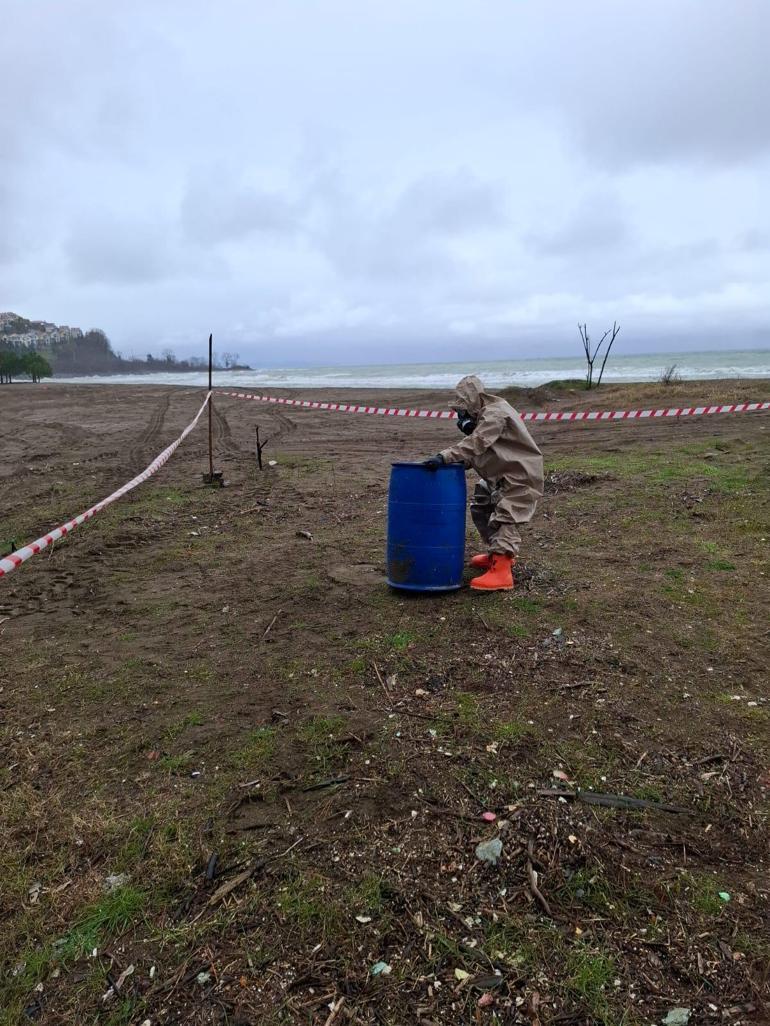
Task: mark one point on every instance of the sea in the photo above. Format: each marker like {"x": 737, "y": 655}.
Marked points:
{"x": 749, "y": 363}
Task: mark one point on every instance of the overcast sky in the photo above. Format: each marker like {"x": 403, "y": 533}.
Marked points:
{"x": 365, "y": 180}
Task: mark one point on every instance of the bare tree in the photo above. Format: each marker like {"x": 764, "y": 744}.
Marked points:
{"x": 230, "y": 359}
{"x": 591, "y": 353}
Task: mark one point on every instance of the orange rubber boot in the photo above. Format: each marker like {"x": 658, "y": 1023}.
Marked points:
{"x": 499, "y": 577}
{"x": 481, "y": 562}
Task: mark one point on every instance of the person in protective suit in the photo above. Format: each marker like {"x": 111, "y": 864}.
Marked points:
{"x": 504, "y": 455}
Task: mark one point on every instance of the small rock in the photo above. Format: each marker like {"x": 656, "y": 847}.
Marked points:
{"x": 381, "y": 969}
{"x": 678, "y": 1017}
{"x": 111, "y": 883}
{"x": 489, "y": 851}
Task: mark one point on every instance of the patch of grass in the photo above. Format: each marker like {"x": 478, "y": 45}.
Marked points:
{"x": 400, "y": 641}
{"x": 720, "y": 564}
{"x": 502, "y": 615}
{"x": 528, "y": 947}
{"x": 589, "y": 977}
{"x": 512, "y": 731}
{"x": 312, "y": 585}
{"x": 649, "y": 792}
{"x": 257, "y": 751}
{"x": 589, "y": 888}
{"x": 192, "y": 719}
{"x": 468, "y": 710}
{"x": 139, "y": 832}
{"x": 112, "y": 915}
{"x": 124, "y": 1013}
{"x": 319, "y": 735}
{"x": 586, "y": 762}
{"x": 701, "y": 893}
{"x": 369, "y": 894}
{"x": 306, "y": 904}
{"x": 200, "y": 671}
{"x": 176, "y": 764}
{"x": 753, "y": 946}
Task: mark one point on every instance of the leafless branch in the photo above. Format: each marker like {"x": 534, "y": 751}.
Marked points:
{"x": 592, "y": 353}
{"x": 615, "y": 330}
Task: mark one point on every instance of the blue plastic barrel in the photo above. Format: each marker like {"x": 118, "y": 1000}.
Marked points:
{"x": 426, "y": 527}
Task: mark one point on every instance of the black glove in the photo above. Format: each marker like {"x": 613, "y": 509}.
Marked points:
{"x": 434, "y": 462}
{"x": 466, "y": 422}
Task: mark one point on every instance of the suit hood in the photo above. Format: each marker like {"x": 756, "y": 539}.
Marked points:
{"x": 470, "y": 395}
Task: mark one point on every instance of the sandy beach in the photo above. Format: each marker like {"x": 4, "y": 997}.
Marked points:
{"x": 213, "y": 696}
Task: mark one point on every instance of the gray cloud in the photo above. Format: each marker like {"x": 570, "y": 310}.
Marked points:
{"x": 383, "y": 179}
{"x": 119, "y": 251}
{"x": 597, "y": 223}
{"x": 383, "y": 238}
{"x": 218, "y": 208}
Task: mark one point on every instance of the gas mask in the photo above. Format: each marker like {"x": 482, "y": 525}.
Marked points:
{"x": 466, "y": 422}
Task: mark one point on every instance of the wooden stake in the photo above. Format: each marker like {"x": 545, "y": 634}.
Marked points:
{"x": 211, "y": 404}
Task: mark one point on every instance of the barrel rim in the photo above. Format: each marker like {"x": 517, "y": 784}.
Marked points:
{"x": 445, "y": 466}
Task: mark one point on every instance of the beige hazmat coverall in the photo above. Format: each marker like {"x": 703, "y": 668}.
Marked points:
{"x": 509, "y": 463}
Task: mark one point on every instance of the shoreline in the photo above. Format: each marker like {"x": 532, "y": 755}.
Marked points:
{"x": 552, "y": 390}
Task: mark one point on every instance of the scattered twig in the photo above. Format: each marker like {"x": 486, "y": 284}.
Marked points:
{"x": 382, "y": 683}
{"x": 479, "y": 801}
{"x": 326, "y": 783}
{"x": 336, "y": 1009}
{"x": 211, "y": 868}
{"x": 576, "y": 684}
{"x": 252, "y": 509}
{"x": 612, "y": 801}
{"x": 251, "y": 783}
{"x": 536, "y": 892}
{"x": 709, "y": 758}
{"x": 241, "y": 878}
{"x": 270, "y": 625}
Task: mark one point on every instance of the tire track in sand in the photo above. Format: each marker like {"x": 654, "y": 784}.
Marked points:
{"x": 138, "y": 448}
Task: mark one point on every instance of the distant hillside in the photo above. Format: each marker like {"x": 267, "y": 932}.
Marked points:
{"x": 71, "y": 351}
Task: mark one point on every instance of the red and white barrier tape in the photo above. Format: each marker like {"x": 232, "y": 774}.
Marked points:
{"x": 22, "y": 555}
{"x": 555, "y": 415}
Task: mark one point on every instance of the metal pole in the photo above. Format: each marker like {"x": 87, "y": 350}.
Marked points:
{"x": 211, "y": 403}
